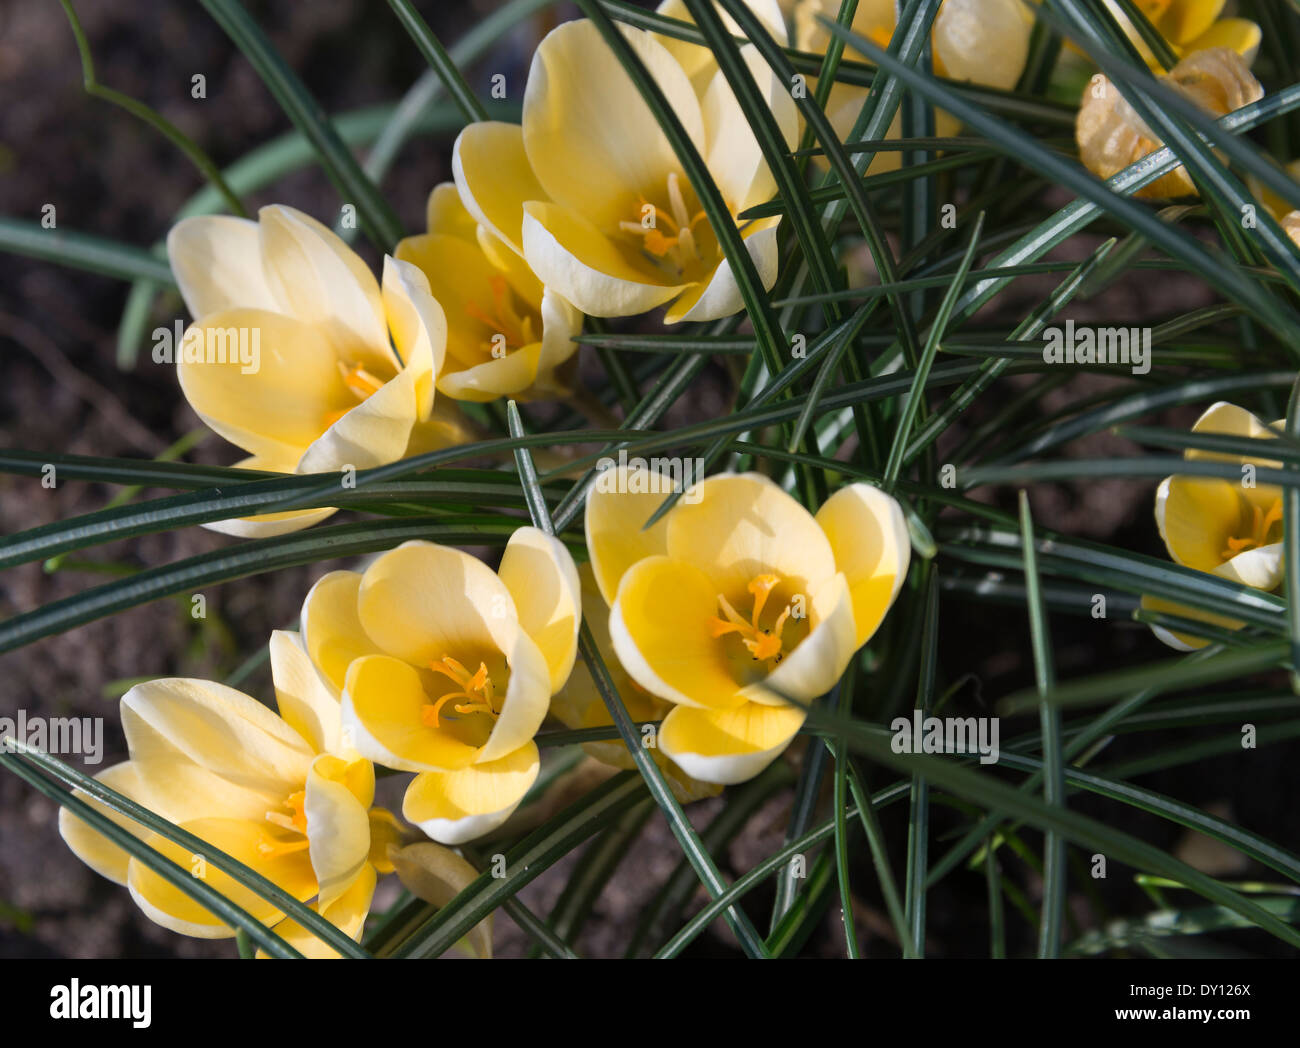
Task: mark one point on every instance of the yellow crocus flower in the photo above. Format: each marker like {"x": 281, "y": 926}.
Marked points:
{"x": 579, "y": 703}
{"x": 283, "y": 794}
{"x": 316, "y": 385}
{"x": 985, "y": 42}
{"x": 737, "y": 600}
{"x": 1229, "y": 528}
{"x": 591, "y": 194}
{"x": 446, "y": 668}
{"x": 1190, "y": 25}
{"x": 506, "y": 334}
{"x": 1111, "y": 135}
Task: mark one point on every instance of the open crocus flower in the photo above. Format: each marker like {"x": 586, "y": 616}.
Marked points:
{"x": 1111, "y": 135}
{"x": 738, "y": 600}
{"x": 1229, "y": 528}
{"x": 592, "y": 195}
{"x": 285, "y": 795}
{"x": 289, "y": 355}
{"x": 1287, "y": 216}
{"x": 446, "y": 669}
{"x": 506, "y": 334}
{"x": 579, "y": 703}
{"x": 983, "y": 41}
{"x": 1190, "y": 25}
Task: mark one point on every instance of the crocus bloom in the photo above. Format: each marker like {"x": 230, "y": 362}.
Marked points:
{"x": 983, "y": 41}
{"x": 285, "y": 795}
{"x": 1229, "y": 528}
{"x": 589, "y": 191}
{"x": 737, "y": 600}
{"x": 1111, "y": 135}
{"x": 1190, "y": 25}
{"x": 446, "y": 669}
{"x": 579, "y": 703}
{"x": 316, "y": 385}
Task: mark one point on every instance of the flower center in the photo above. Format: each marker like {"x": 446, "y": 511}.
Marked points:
{"x": 1261, "y": 524}
{"x": 763, "y": 644}
{"x": 667, "y": 235}
{"x": 361, "y": 382}
{"x": 295, "y": 822}
{"x": 475, "y": 688}
{"x": 504, "y": 319}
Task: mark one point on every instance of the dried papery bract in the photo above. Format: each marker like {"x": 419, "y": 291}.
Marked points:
{"x": 1111, "y": 135}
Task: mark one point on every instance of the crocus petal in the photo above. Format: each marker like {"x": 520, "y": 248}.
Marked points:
{"x": 1239, "y": 34}
{"x": 1186, "y": 20}
{"x": 418, "y": 326}
{"x": 494, "y": 178}
{"x": 818, "y": 660}
{"x": 241, "y": 839}
{"x": 1262, "y": 567}
{"x": 216, "y": 727}
{"x": 499, "y": 377}
{"x": 539, "y": 572}
{"x": 572, "y": 256}
{"x": 332, "y": 633}
{"x": 268, "y": 525}
{"x": 458, "y": 806}
{"x": 91, "y": 846}
{"x": 304, "y": 699}
{"x": 274, "y": 402}
{"x": 868, "y": 536}
{"x": 719, "y": 296}
{"x": 699, "y": 63}
{"x": 1185, "y": 641}
{"x": 735, "y": 526}
{"x": 347, "y": 912}
{"x": 527, "y": 697}
{"x": 728, "y": 746}
{"x": 437, "y": 875}
{"x": 1233, "y": 421}
{"x": 318, "y": 279}
{"x": 383, "y": 702}
{"x": 373, "y": 433}
{"x": 984, "y": 41}
{"x": 619, "y": 503}
{"x": 338, "y": 828}
{"x": 422, "y": 602}
{"x": 218, "y": 264}
{"x": 1196, "y": 517}
{"x": 445, "y": 213}
{"x": 591, "y": 139}
{"x": 661, "y": 627}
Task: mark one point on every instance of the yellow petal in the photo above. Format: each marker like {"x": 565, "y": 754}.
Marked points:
{"x": 262, "y": 380}
{"x": 735, "y": 526}
{"x": 572, "y": 256}
{"x": 1196, "y": 517}
{"x": 218, "y": 728}
{"x": 418, "y": 326}
{"x": 983, "y": 41}
{"x": 92, "y": 847}
{"x": 527, "y": 697}
{"x": 619, "y": 503}
{"x": 239, "y": 838}
{"x": 820, "y": 659}
{"x": 323, "y": 283}
{"x": 1185, "y": 641}
{"x": 268, "y": 525}
{"x": 437, "y": 875}
{"x": 305, "y": 700}
{"x": 719, "y": 295}
{"x": 218, "y": 264}
{"x": 458, "y": 806}
{"x": 1238, "y": 34}
{"x": 338, "y": 829}
{"x": 421, "y": 602}
{"x": 1185, "y": 20}
{"x": 1233, "y": 421}
{"x": 347, "y": 913}
{"x": 445, "y": 213}
{"x": 699, "y": 63}
{"x": 331, "y": 626}
{"x": 507, "y": 376}
{"x": 373, "y": 433}
{"x": 591, "y": 139}
{"x": 383, "y": 703}
{"x": 868, "y": 536}
{"x": 728, "y": 746}
{"x": 539, "y": 572}
{"x": 661, "y": 626}
{"x": 494, "y": 178}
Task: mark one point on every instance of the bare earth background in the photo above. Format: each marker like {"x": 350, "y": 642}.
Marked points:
{"x": 108, "y": 174}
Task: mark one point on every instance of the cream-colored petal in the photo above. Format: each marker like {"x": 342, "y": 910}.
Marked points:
{"x": 306, "y": 701}
{"x": 1262, "y": 567}
{"x": 619, "y": 503}
{"x": 373, "y": 433}
{"x": 528, "y": 695}
{"x": 699, "y": 63}
{"x": 494, "y": 178}
{"x": 983, "y": 41}
{"x": 268, "y": 525}
{"x": 437, "y": 875}
{"x": 418, "y": 326}
{"x": 539, "y": 572}
{"x": 217, "y": 262}
{"x": 91, "y": 846}
{"x": 459, "y": 806}
{"x": 728, "y": 746}
{"x": 719, "y": 296}
{"x": 574, "y": 258}
{"x": 347, "y": 913}
{"x": 338, "y": 829}
{"x": 445, "y": 213}
{"x": 318, "y": 279}
{"x": 332, "y": 633}
{"x": 591, "y": 139}
{"x": 820, "y": 659}
{"x": 868, "y": 537}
